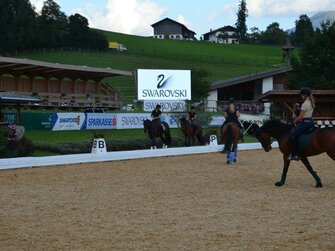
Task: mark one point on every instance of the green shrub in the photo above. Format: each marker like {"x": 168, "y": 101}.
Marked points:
{"x": 13, "y": 143}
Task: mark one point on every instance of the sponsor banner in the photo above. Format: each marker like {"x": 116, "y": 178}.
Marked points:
{"x": 167, "y": 106}
{"x": 131, "y": 120}
{"x": 171, "y": 119}
{"x": 67, "y": 121}
{"x": 135, "y": 120}
{"x": 217, "y": 120}
{"x": 101, "y": 121}
{"x": 36, "y": 120}
{"x": 10, "y": 117}
{"x": 163, "y": 84}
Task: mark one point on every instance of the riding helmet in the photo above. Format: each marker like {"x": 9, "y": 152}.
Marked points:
{"x": 231, "y": 100}
{"x": 305, "y": 91}
{"x": 158, "y": 107}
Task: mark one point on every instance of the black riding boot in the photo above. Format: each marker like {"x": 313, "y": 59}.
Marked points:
{"x": 295, "y": 152}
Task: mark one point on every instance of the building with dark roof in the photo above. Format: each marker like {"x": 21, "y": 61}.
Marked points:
{"x": 224, "y": 35}
{"x": 60, "y": 84}
{"x": 170, "y": 29}
{"x": 247, "y": 88}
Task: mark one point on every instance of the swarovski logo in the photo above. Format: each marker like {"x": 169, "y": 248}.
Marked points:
{"x": 161, "y": 81}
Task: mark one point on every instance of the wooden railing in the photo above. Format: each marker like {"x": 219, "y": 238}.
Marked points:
{"x": 77, "y": 100}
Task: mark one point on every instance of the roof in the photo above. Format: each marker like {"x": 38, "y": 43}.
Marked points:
{"x": 12, "y": 97}
{"x": 291, "y": 96}
{"x": 224, "y": 28}
{"x": 170, "y": 20}
{"x": 288, "y": 44}
{"x": 33, "y": 68}
{"x": 247, "y": 78}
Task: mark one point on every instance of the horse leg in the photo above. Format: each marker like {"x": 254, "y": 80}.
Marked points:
{"x": 235, "y": 153}
{"x": 164, "y": 142}
{"x": 153, "y": 143}
{"x": 285, "y": 169}
{"x": 331, "y": 154}
{"x": 312, "y": 172}
{"x": 187, "y": 141}
{"x": 229, "y": 161}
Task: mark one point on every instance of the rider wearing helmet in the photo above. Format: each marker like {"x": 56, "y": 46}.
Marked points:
{"x": 231, "y": 114}
{"x": 156, "y": 114}
{"x": 192, "y": 116}
{"x": 303, "y": 121}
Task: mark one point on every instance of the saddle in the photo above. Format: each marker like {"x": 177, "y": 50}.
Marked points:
{"x": 306, "y": 138}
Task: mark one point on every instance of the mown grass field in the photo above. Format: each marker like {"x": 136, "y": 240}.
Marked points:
{"x": 85, "y": 135}
{"x": 49, "y": 142}
{"x": 221, "y": 61}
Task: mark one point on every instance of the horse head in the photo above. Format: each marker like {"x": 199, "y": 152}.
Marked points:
{"x": 263, "y": 134}
{"x": 264, "y": 139}
{"x": 147, "y": 125}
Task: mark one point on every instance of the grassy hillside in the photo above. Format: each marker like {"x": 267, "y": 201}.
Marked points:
{"x": 222, "y": 61}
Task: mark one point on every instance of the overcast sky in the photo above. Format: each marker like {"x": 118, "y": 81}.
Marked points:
{"x": 136, "y": 16}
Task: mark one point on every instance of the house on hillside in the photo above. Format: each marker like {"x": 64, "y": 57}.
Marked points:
{"x": 170, "y": 29}
{"x": 223, "y": 35}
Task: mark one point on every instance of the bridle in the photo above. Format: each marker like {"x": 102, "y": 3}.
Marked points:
{"x": 265, "y": 141}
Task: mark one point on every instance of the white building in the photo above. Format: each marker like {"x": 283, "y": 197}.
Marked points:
{"x": 223, "y": 35}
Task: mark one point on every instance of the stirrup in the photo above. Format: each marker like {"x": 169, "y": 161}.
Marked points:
{"x": 294, "y": 157}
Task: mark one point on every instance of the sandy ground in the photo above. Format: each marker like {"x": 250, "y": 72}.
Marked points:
{"x": 194, "y": 202}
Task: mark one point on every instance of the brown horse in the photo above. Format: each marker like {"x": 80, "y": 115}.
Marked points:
{"x": 189, "y": 132}
{"x": 322, "y": 140}
{"x": 230, "y": 135}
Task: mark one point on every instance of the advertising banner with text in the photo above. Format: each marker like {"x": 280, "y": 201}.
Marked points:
{"x": 67, "y": 121}
{"x": 167, "y": 106}
{"x": 101, "y": 121}
{"x": 154, "y": 84}
{"x": 131, "y": 120}
{"x": 135, "y": 120}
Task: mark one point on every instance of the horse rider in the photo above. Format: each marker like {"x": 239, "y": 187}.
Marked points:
{"x": 231, "y": 114}
{"x": 303, "y": 121}
{"x": 156, "y": 115}
{"x": 192, "y": 116}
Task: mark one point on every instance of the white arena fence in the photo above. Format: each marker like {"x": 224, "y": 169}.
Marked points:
{"x": 25, "y": 162}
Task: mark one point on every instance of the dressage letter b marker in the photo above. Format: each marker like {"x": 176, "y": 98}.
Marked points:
{"x": 99, "y": 146}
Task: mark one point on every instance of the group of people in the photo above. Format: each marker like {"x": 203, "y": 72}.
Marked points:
{"x": 302, "y": 118}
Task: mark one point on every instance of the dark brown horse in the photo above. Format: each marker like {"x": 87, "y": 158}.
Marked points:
{"x": 157, "y": 130}
{"x": 190, "y": 132}
{"x": 322, "y": 140}
{"x": 230, "y": 135}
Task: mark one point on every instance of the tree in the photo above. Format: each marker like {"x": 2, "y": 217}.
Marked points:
{"x": 17, "y": 25}
{"x": 78, "y": 31}
{"x": 200, "y": 85}
{"x": 241, "y": 26}
{"x": 303, "y": 30}
{"x": 255, "y": 35}
{"x": 273, "y": 35}
{"x": 315, "y": 65}
{"x": 53, "y": 25}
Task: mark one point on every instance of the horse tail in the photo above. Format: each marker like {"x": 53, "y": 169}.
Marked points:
{"x": 229, "y": 138}
{"x": 199, "y": 134}
{"x": 167, "y": 133}
{"x": 145, "y": 124}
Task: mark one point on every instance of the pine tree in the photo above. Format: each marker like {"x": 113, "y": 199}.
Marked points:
{"x": 241, "y": 26}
